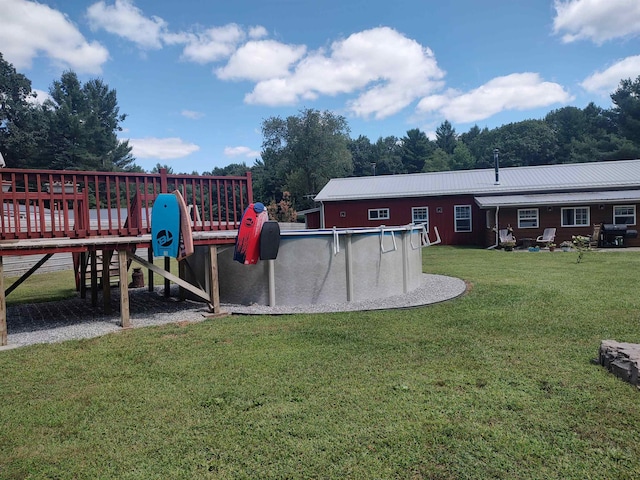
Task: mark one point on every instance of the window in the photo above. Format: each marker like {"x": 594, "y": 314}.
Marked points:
{"x": 420, "y": 215}
{"x": 463, "y": 218}
{"x": 624, "y": 214}
{"x": 528, "y": 218}
{"x": 575, "y": 217}
{"x": 378, "y": 214}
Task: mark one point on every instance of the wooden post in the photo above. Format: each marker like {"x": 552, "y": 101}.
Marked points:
{"x": 94, "y": 277}
{"x": 150, "y": 272}
{"x": 167, "y": 282}
{"x": 182, "y": 275}
{"x": 213, "y": 279}
{"x": 106, "y": 280}
{"x": 83, "y": 274}
{"x": 125, "y": 321}
{"x": 3, "y": 308}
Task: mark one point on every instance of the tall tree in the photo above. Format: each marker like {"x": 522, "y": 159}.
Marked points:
{"x": 363, "y": 156}
{"x": 22, "y": 126}
{"x": 446, "y": 137}
{"x": 305, "y": 152}
{"x": 388, "y": 156}
{"x": 626, "y": 111}
{"x": 416, "y": 147}
{"x": 462, "y": 158}
{"x": 82, "y": 125}
{"x": 438, "y": 161}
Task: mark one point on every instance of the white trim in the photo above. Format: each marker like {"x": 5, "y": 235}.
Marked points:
{"x": 537, "y": 217}
{"x": 569, "y": 199}
{"x": 633, "y": 207}
{"x": 424, "y": 221}
{"x": 455, "y": 218}
{"x": 574, "y": 224}
{"x": 380, "y": 214}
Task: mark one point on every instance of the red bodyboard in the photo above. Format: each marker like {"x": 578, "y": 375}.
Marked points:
{"x": 247, "y": 249}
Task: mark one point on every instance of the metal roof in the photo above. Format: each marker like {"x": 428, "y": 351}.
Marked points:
{"x": 573, "y": 198}
{"x": 546, "y": 178}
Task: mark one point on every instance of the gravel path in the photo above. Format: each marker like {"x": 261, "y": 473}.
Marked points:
{"x": 75, "y": 318}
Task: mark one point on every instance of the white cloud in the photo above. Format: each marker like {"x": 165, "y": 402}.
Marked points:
{"x": 214, "y": 44}
{"x": 161, "y": 148}
{"x": 192, "y": 114}
{"x": 29, "y": 29}
{"x": 261, "y": 60}
{"x": 518, "y": 91}
{"x": 126, "y": 20}
{"x": 607, "y": 81}
{"x": 596, "y": 20}
{"x": 241, "y": 152}
{"x": 387, "y": 69}
{"x": 257, "y": 32}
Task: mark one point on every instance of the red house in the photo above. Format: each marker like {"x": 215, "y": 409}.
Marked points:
{"x": 466, "y": 206}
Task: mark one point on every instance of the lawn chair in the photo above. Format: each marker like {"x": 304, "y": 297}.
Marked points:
{"x": 547, "y": 237}
{"x": 505, "y": 236}
{"x": 507, "y": 240}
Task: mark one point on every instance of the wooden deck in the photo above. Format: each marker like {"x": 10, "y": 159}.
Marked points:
{"x": 51, "y": 212}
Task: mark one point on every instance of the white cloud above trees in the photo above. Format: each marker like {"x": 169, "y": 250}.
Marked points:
{"x": 596, "y": 20}
{"x": 518, "y": 91}
{"x": 606, "y": 81}
{"x": 161, "y": 148}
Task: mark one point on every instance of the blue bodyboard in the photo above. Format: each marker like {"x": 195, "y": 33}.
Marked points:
{"x": 165, "y": 226}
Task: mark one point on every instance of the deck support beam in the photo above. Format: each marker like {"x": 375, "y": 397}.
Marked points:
{"x": 3, "y": 308}
{"x": 125, "y": 321}
{"x": 106, "y": 280}
{"x": 26, "y": 275}
{"x": 168, "y": 276}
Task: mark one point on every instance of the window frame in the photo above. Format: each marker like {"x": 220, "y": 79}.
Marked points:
{"x": 378, "y": 212}
{"x": 421, "y": 221}
{"x": 574, "y": 224}
{"x": 537, "y": 217}
{"x": 456, "y": 218}
{"x": 633, "y": 207}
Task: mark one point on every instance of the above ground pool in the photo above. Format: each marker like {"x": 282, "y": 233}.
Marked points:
{"x": 323, "y": 266}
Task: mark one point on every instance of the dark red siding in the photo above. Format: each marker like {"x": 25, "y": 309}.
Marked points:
{"x": 551, "y": 216}
{"x": 441, "y": 215}
{"x": 313, "y": 219}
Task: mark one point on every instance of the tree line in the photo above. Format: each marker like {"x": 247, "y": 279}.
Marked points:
{"x": 77, "y": 129}
{"x": 301, "y": 153}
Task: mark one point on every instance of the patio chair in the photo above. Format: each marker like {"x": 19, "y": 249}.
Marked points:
{"x": 506, "y": 237}
{"x": 547, "y": 237}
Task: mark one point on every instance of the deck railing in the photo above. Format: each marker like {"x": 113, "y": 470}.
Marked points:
{"x": 76, "y": 204}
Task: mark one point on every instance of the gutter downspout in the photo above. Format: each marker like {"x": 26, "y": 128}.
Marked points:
{"x": 322, "y": 215}
{"x": 497, "y": 230}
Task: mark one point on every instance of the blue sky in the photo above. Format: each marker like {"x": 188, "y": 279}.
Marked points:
{"x": 198, "y": 78}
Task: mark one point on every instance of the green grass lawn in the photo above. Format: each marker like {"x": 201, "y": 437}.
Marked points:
{"x": 496, "y": 384}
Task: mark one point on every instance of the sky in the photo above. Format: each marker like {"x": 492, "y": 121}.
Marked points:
{"x": 198, "y": 78}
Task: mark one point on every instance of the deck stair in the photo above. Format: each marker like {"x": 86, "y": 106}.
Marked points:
{"x": 98, "y": 265}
